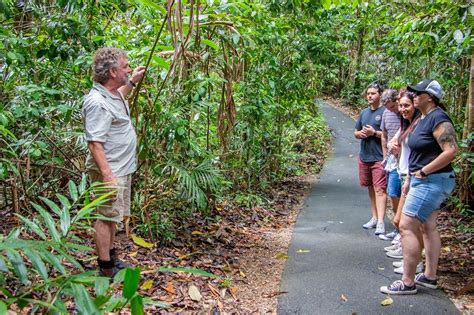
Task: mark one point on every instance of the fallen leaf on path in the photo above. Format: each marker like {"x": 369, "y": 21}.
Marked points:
{"x": 344, "y": 298}
{"x": 469, "y": 306}
{"x": 170, "y": 288}
{"x": 242, "y": 274}
{"x": 233, "y": 292}
{"x": 281, "y": 256}
{"x": 302, "y": 251}
{"x": 132, "y": 254}
{"x": 147, "y": 284}
{"x": 387, "y": 301}
{"x": 141, "y": 242}
{"x": 196, "y": 233}
{"x": 194, "y": 293}
{"x": 446, "y": 249}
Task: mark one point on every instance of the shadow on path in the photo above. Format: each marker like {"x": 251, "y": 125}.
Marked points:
{"x": 343, "y": 258}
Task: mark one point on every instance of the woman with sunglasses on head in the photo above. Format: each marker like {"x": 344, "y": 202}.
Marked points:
{"x": 433, "y": 147}
{"x": 409, "y": 118}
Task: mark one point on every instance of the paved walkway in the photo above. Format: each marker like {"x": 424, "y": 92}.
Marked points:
{"x": 343, "y": 258}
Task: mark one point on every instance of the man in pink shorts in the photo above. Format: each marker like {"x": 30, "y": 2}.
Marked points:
{"x": 371, "y": 171}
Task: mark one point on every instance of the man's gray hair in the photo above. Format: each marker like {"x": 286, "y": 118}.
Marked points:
{"x": 104, "y": 59}
{"x": 389, "y": 95}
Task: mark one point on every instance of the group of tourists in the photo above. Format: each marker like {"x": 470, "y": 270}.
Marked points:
{"x": 407, "y": 145}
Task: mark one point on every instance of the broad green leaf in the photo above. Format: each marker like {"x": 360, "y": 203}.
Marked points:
{"x": 102, "y": 299}
{"x": 150, "y": 301}
{"x": 161, "y": 62}
{"x": 101, "y": 285}
{"x": 82, "y": 185}
{"x": 49, "y": 221}
{"x": 326, "y": 4}
{"x": 33, "y": 226}
{"x": 3, "y": 308}
{"x": 130, "y": 283}
{"x": 84, "y": 302}
{"x": 136, "y": 305}
{"x": 88, "y": 208}
{"x": 53, "y": 260}
{"x": 37, "y": 263}
{"x": 18, "y": 265}
{"x": 73, "y": 191}
{"x": 69, "y": 258}
{"x": 53, "y": 206}
{"x": 60, "y": 306}
{"x": 64, "y": 201}
{"x": 194, "y": 271}
{"x": 210, "y": 43}
{"x": 153, "y": 5}
{"x": 79, "y": 247}
{"x": 3, "y": 265}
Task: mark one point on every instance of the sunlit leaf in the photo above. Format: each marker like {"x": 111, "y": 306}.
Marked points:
{"x": 148, "y": 284}
{"x": 281, "y": 256}
{"x": 387, "y": 301}
{"x": 141, "y": 242}
{"x": 194, "y": 293}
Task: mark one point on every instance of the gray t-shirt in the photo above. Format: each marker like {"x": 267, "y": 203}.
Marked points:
{"x": 370, "y": 147}
{"x": 390, "y": 123}
{"x": 107, "y": 120}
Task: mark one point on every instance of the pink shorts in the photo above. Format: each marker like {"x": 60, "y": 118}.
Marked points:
{"x": 372, "y": 174}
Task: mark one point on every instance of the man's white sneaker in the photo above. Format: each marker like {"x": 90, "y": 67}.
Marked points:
{"x": 397, "y": 264}
{"x": 371, "y": 224}
{"x": 392, "y": 247}
{"x": 419, "y": 268}
{"x": 388, "y": 237}
{"x": 398, "y": 253}
{"x": 397, "y": 239}
{"x": 380, "y": 228}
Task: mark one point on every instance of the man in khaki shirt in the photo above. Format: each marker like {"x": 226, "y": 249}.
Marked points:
{"x": 112, "y": 144}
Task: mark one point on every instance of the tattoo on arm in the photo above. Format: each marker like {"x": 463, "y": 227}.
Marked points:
{"x": 447, "y": 136}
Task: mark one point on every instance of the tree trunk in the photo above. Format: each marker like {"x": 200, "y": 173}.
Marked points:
{"x": 469, "y": 121}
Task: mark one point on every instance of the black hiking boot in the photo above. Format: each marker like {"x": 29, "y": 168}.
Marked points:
{"x": 107, "y": 268}
{"x": 119, "y": 264}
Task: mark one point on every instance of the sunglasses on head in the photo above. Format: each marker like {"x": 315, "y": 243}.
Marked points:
{"x": 418, "y": 93}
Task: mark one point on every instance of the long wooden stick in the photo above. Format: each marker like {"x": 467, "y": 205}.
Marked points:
{"x": 134, "y": 97}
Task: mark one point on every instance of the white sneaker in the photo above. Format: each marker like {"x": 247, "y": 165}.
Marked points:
{"x": 380, "y": 228}
{"x": 398, "y": 264}
{"x": 397, "y": 239}
{"x": 371, "y": 224}
{"x": 392, "y": 247}
{"x": 397, "y": 254}
{"x": 419, "y": 268}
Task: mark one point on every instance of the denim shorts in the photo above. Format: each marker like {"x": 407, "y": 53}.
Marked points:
{"x": 426, "y": 194}
{"x": 394, "y": 185}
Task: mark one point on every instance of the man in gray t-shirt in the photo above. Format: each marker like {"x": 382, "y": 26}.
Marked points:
{"x": 112, "y": 144}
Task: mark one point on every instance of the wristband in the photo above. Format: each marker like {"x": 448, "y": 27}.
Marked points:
{"x": 422, "y": 173}
{"x": 131, "y": 83}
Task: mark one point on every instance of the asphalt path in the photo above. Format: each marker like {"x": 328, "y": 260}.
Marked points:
{"x": 335, "y": 266}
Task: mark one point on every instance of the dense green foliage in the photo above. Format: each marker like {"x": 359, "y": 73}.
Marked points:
{"x": 227, "y": 107}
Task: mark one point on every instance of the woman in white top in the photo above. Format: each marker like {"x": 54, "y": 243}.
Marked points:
{"x": 410, "y": 116}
